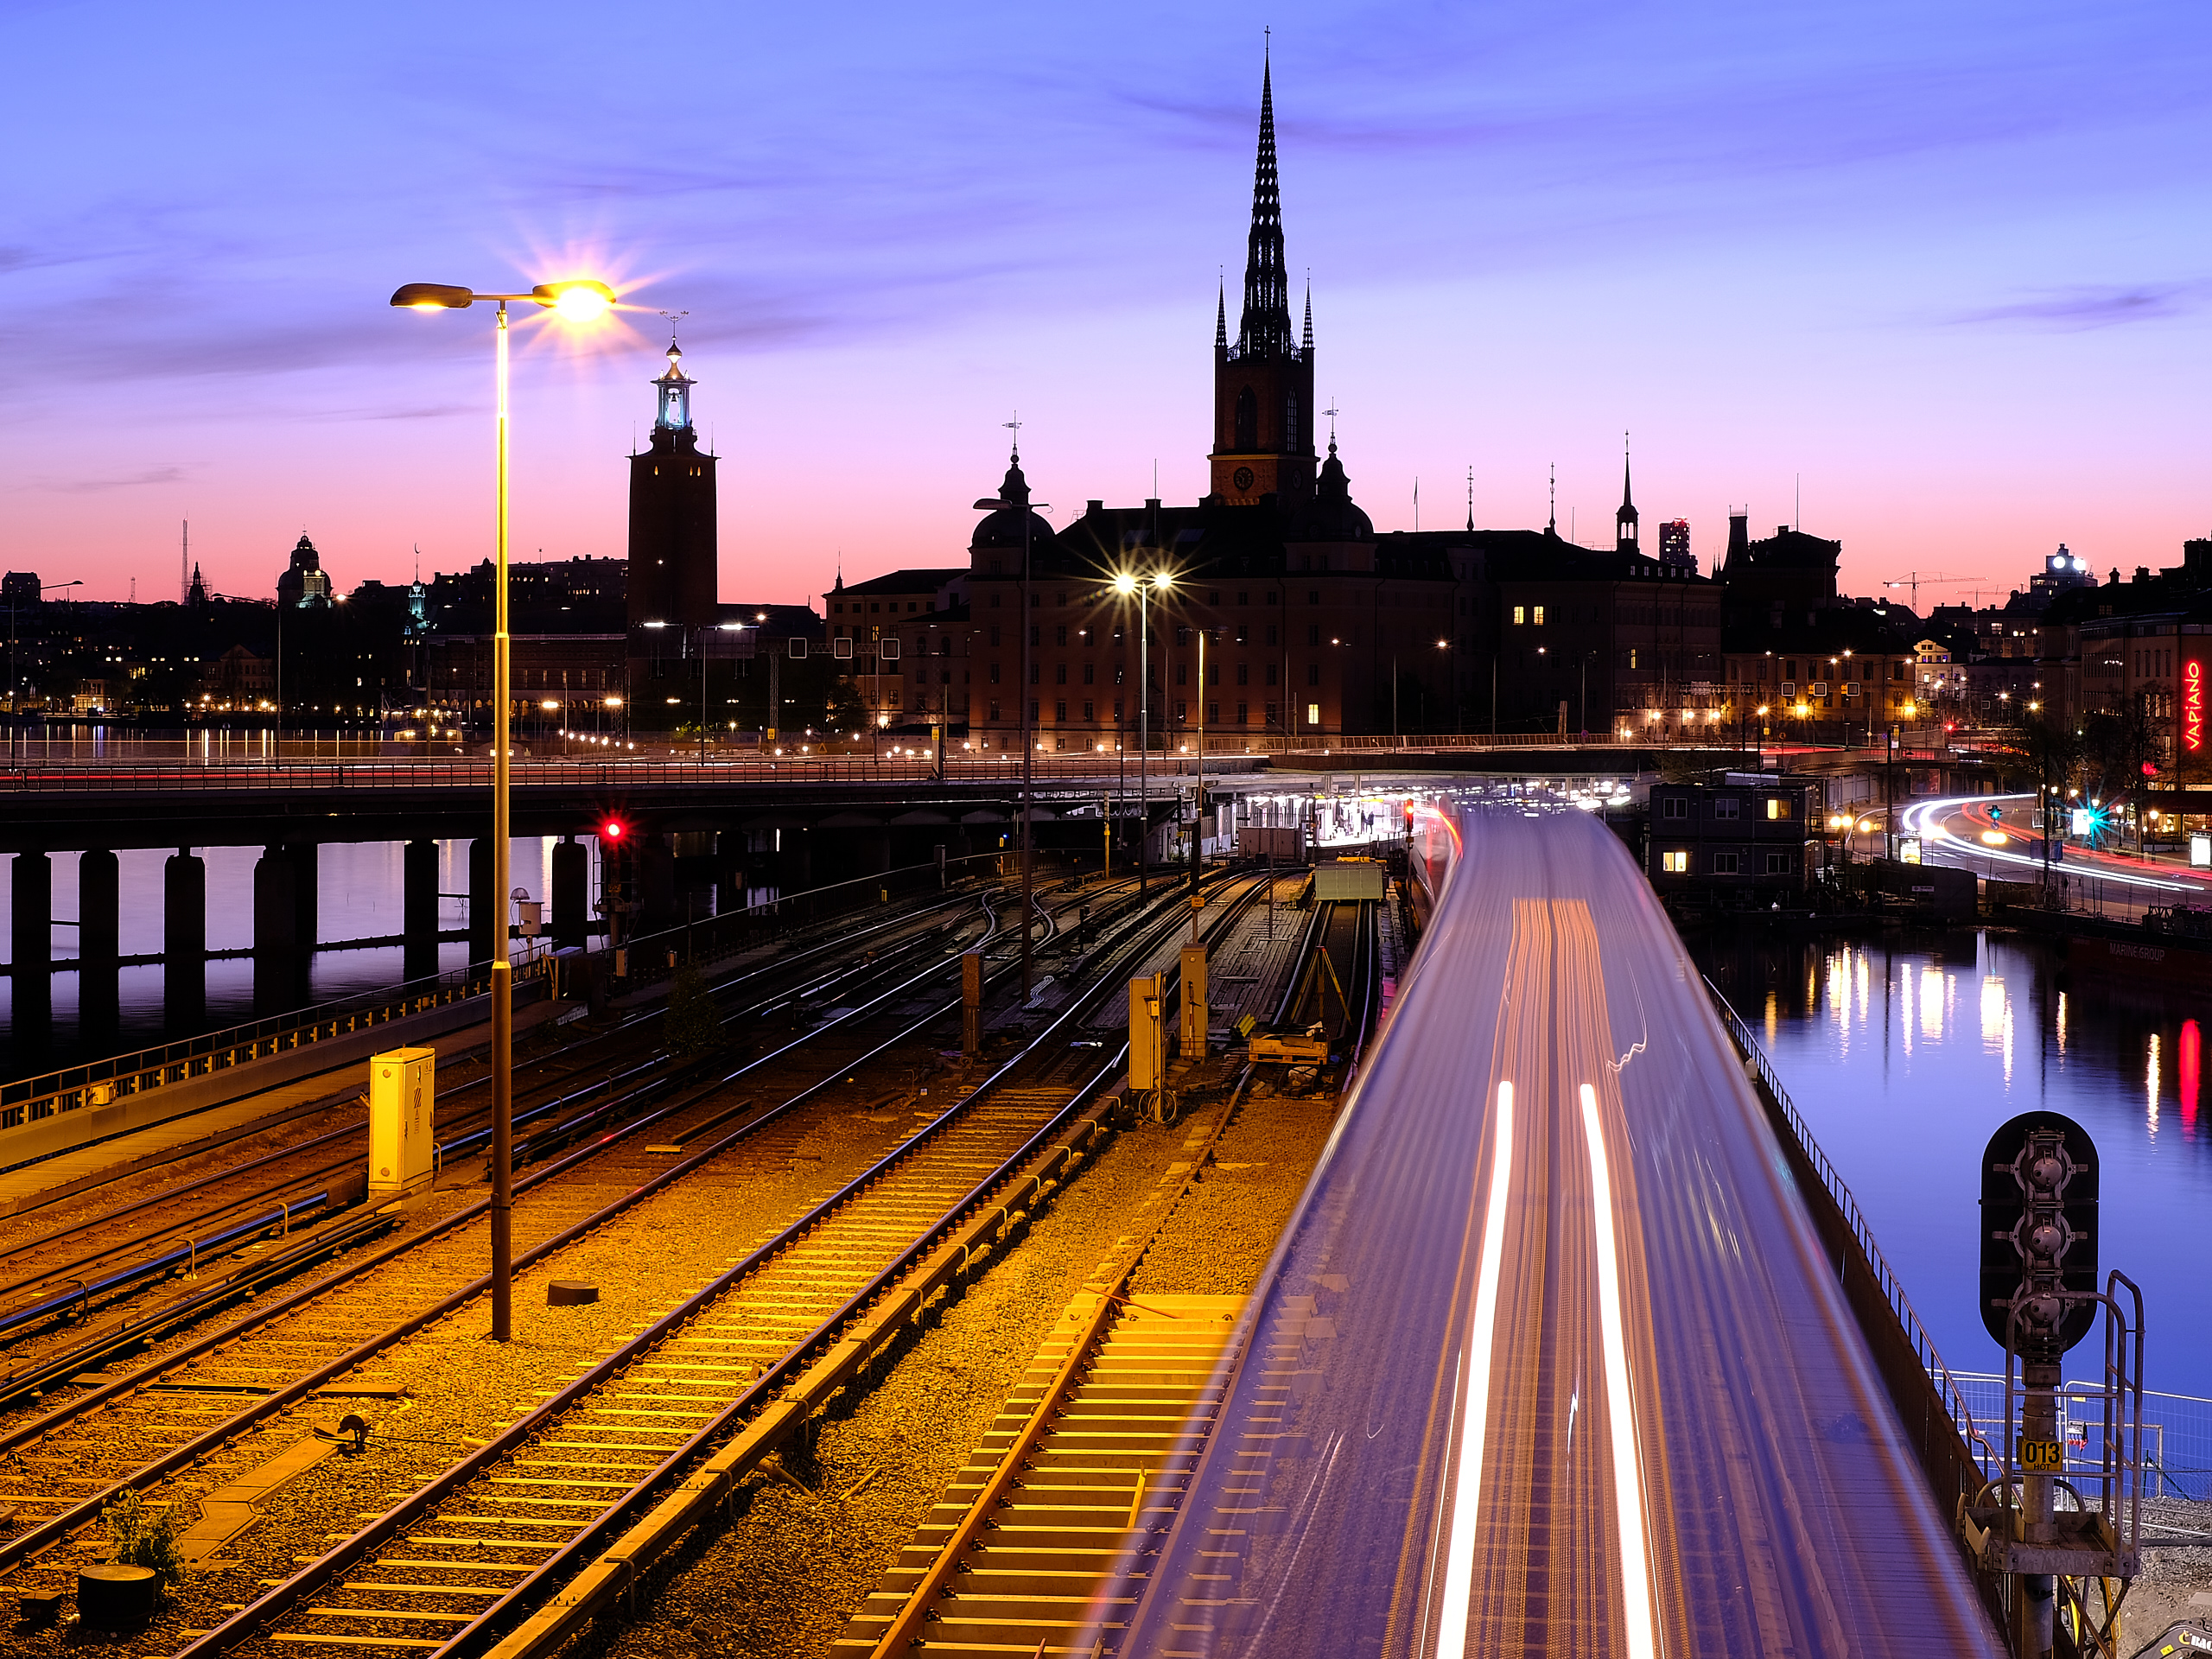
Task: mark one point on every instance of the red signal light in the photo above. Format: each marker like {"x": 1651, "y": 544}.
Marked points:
{"x": 614, "y": 829}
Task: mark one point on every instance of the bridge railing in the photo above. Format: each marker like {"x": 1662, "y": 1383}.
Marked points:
{"x": 607, "y": 776}
{"x": 1960, "y": 1459}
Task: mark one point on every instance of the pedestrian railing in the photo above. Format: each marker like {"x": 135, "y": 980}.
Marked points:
{"x": 2177, "y": 1430}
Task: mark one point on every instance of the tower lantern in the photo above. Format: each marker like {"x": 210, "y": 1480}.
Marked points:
{"x": 675, "y": 393}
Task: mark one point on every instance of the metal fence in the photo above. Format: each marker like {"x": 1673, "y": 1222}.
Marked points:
{"x": 102, "y": 1083}
{"x": 651, "y": 958}
{"x": 2177, "y": 1431}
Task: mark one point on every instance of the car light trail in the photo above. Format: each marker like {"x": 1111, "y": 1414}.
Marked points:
{"x": 1474, "y": 1405}
{"x": 1620, "y": 1408}
{"x": 1924, "y": 819}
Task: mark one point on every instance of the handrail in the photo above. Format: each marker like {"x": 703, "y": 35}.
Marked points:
{"x": 1940, "y": 1375}
{"x": 126, "y": 776}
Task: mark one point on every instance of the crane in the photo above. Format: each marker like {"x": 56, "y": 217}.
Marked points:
{"x": 1913, "y": 579}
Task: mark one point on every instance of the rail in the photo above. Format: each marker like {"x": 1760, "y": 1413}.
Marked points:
{"x": 32, "y": 1100}
{"x": 1949, "y": 1390}
{"x": 36, "y": 1099}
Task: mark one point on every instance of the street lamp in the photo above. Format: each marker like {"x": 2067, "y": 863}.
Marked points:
{"x": 1028, "y": 509}
{"x": 1125, "y": 584}
{"x": 577, "y": 302}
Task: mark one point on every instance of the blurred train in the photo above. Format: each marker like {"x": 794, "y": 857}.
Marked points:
{"x": 1549, "y": 1360}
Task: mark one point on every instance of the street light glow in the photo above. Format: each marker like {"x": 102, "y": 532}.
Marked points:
{"x": 580, "y": 300}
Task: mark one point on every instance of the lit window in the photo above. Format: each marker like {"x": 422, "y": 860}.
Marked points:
{"x": 1674, "y": 863}
{"x": 1777, "y": 809}
{"x": 1520, "y": 615}
{"x": 1540, "y": 616}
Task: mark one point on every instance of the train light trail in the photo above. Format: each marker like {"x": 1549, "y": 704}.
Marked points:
{"x": 1620, "y": 1405}
{"x": 1474, "y": 1404}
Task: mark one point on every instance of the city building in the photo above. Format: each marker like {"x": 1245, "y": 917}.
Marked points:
{"x": 1748, "y": 843}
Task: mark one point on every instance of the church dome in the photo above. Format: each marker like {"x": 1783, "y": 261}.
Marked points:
{"x": 1333, "y": 516}
{"x": 1002, "y": 528}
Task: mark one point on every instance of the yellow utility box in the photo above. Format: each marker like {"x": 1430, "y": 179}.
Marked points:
{"x": 1147, "y": 1032}
{"x": 401, "y": 1092}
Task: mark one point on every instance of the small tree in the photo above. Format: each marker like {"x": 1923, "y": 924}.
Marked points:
{"x": 143, "y": 1538}
{"x": 693, "y": 1023}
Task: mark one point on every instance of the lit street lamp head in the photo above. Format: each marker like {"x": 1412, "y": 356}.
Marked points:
{"x": 580, "y": 300}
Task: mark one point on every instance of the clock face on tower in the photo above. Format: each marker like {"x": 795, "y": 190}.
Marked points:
{"x": 1242, "y": 478}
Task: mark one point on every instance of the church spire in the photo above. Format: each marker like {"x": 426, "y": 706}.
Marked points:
{"x": 1221, "y": 317}
{"x": 1307, "y": 345}
{"x": 1265, "y": 328}
{"x": 1624, "y": 521}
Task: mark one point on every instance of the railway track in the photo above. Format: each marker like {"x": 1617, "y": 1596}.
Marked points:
{"x": 818, "y": 965}
{"x": 132, "y": 1431}
{"x": 1033, "y": 1545}
{"x": 508, "y": 1545}
{"x": 125, "y": 1256}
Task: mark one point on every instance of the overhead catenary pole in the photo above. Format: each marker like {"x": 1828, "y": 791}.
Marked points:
{"x": 1198, "y": 793}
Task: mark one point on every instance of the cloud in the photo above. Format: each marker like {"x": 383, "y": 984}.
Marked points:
{"x": 2104, "y": 306}
{"x": 126, "y": 481}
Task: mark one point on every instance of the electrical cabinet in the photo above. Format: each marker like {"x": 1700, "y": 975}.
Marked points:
{"x": 402, "y": 1090}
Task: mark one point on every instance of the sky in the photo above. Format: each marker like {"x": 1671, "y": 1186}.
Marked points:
{"x": 1943, "y": 274}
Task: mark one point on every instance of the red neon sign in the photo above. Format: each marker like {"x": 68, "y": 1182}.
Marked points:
{"x": 2192, "y": 706}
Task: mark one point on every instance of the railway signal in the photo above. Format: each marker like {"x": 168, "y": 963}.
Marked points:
{"x": 617, "y": 883}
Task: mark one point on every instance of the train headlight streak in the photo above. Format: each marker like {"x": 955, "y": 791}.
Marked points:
{"x": 1474, "y": 1406}
{"x": 1620, "y": 1406}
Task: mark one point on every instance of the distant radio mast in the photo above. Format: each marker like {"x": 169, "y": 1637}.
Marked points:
{"x": 184, "y": 566}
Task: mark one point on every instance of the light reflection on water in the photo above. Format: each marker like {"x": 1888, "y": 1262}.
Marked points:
{"x": 1905, "y": 1056}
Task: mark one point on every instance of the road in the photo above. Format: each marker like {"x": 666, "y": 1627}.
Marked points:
{"x": 1549, "y": 1360}
{"x": 1952, "y": 831}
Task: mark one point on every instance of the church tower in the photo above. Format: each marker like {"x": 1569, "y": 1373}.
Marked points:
{"x": 1624, "y": 521}
{"x": 675, "y": 563}
{"x": 1263, "y": 383}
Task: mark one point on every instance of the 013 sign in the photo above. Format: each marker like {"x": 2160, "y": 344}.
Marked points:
{"x": 2043, "y": 1458}
{"x": 2192, "y": 707}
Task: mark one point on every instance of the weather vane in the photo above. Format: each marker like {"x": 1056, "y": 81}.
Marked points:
{"x": 674, "y": 317}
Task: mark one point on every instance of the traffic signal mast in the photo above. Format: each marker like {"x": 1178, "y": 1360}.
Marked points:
{"x": 2039, "y": 1298}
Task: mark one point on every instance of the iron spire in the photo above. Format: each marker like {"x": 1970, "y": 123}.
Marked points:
{"x": 1221, "y": 317}
{"x": 1306, "y": 346}
{"x": 1264, "y": 330}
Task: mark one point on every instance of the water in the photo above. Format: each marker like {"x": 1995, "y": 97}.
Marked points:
{"x": 358, "y": 896}
{"x": 1906, "y": 1056}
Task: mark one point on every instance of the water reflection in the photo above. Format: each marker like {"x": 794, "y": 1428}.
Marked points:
{"x": 1904, "y": 1055}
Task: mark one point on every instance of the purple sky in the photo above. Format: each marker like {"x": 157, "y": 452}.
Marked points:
{"x": 1950, "y": 264}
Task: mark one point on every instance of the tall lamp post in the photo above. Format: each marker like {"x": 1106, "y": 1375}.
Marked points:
{"x": 1125, "y": 584}
{"x": 581, "y": 301}
{"x": 1026, "y": 509}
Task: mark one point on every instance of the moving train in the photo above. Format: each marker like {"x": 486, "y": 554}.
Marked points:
{"x": 1549, "y": 1360}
